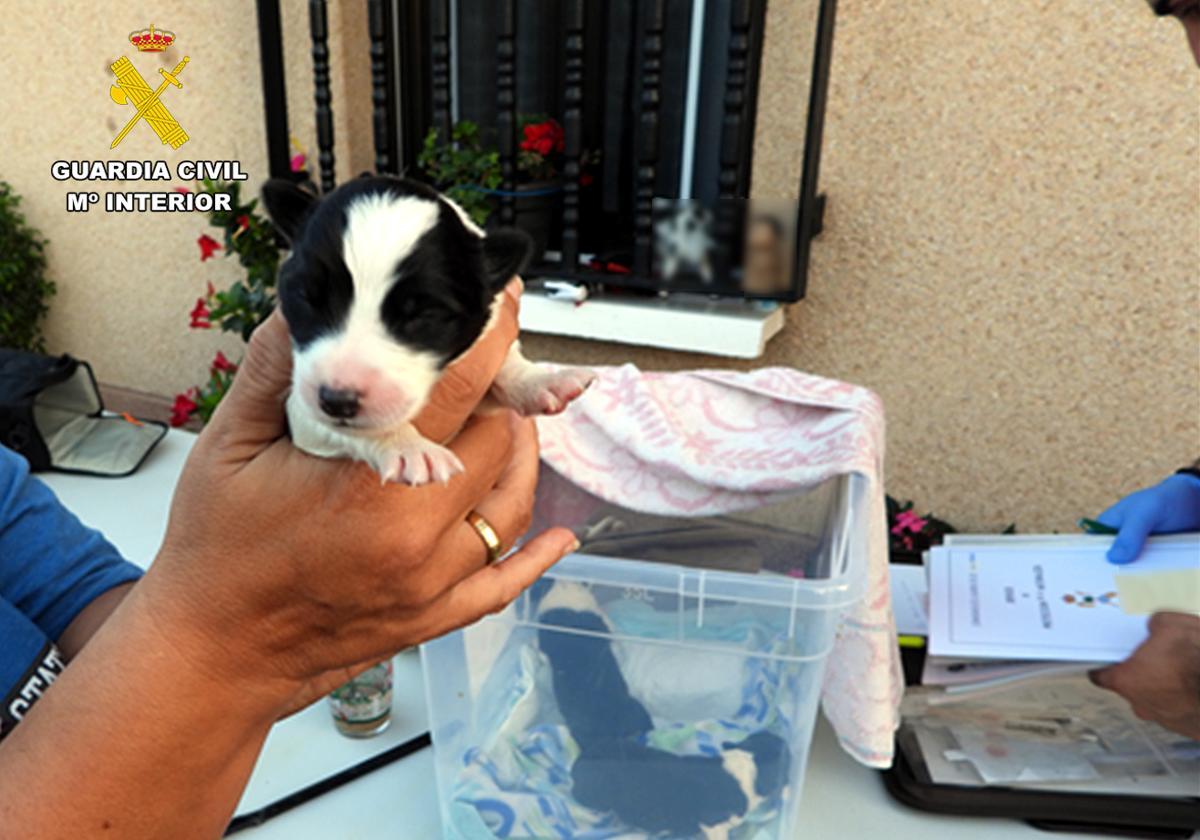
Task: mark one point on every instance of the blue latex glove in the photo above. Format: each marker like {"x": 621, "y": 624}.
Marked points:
{"x": 1169, "y": 507}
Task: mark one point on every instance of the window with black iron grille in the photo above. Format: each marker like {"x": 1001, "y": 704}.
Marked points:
{"x": 646, "y": 109}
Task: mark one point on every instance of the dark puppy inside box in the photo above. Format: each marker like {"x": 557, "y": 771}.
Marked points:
{"x": 388, "y": 282}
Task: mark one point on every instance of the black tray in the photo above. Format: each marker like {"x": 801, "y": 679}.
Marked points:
{"x": 1080, "y": 813}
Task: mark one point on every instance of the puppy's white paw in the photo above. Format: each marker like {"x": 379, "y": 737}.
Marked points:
{"x": 419, "y": 461}
{"x": 540, "y": 391}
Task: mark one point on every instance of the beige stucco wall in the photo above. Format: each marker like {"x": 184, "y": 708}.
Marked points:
{"x": 127, "y": 282}
{"x": 1011, "y": 255}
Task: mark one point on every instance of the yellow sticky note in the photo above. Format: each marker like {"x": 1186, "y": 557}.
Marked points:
{"x": 1150, "y": 592}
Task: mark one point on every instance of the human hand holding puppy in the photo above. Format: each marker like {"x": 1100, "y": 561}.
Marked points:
{"x": 379, "y": 566}
{"x": 280, "y": 576}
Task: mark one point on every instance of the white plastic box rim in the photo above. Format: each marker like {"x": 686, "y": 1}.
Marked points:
{"x": 843, "y": 589}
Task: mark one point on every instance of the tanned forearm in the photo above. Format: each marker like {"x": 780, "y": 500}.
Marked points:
{"x": 85, "y": 625}
{"x": 193, "y": 737}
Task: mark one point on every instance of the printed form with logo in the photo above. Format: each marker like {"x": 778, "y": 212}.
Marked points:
{"x": 1054, "y": 598}
{"x": 1014, "y": 624}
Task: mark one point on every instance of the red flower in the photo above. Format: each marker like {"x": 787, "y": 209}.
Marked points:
{"x": 199, "y": 315}
{"x": 182, "y": 411}
{"x": 220, "y": 363}
{"x": 182, "y": 190}
{"x": 543, "y": 138}
{"x": 210, "y": 291}
{"x": 243, "y": 223}
{"x": 208, "y": 246}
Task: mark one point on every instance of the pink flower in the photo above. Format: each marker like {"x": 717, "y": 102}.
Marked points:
{"x": 199, "y": 316}
{"x": 208, "y": 246}
{"x": 906, "y": 520}
{"x": 298, "y": 161}
{"x": 183, "y": 408}
{"x": 221, "y": 363}
{"x": 182, "y": 190}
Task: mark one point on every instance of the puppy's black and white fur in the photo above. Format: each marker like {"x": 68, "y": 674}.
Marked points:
{"x": 387, "y": 282}
{"x": 647, "y": 788}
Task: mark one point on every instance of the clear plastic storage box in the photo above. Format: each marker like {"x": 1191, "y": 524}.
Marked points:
{"x": 663, "y": 682}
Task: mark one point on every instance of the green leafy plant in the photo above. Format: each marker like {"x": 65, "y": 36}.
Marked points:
{"x": 24, "y": 289}
{"x": 202, "y": 400}
{"x": 242, "y": 306}
{"x": 251, "y": 238}
{"x": 463, "y": 168}
{"x": 468, "y": 170}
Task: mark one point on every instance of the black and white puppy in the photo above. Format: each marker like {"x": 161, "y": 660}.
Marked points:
{"x": 647, "y": 788}
{"x": 387, "y": 282}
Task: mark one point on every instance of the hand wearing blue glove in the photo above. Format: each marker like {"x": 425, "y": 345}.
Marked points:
{"x": 1169, "y": 507}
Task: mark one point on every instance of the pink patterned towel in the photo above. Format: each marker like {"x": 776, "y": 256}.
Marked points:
{"x": 712, "y": 442}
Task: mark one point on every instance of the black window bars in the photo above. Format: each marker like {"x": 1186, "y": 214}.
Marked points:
{"x": 414, "y": 47}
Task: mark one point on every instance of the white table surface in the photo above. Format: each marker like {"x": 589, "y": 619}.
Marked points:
{"x": 841, "y": 798}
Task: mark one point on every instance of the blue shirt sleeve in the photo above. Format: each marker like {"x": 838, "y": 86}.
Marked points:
{"x": 51, "y": 565}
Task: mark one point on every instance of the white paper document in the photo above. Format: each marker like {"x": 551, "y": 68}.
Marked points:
{"x": 979, "y": 674}
{"x": 910, "y": 599}
{"x": 1058, "y": 599}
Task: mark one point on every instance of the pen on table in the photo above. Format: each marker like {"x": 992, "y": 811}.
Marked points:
{"x": 1094, "y": 527}
{"x": 987, "y": 663}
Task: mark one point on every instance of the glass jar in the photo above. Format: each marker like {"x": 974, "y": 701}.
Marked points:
{"x": 363, "y": 707}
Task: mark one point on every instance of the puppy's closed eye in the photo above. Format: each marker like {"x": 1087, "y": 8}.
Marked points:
{"x": 420, "y": 318}
{"x": 314, "y": 301}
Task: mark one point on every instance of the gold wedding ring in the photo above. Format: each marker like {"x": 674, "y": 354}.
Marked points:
{"x": 488, "y": 534}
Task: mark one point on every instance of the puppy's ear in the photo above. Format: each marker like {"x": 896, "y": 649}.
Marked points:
{"x": 505, "y": 253}
{"x": 288, "y": 205}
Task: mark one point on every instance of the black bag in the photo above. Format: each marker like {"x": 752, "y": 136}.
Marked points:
{"x": 52, "y": 414}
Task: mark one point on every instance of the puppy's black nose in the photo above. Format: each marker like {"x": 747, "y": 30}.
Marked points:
{"x": 342, "y": 404}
